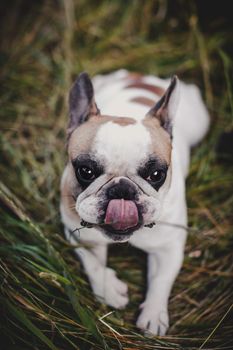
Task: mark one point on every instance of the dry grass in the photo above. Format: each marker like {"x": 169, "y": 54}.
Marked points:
{"x": 46, "y": 302}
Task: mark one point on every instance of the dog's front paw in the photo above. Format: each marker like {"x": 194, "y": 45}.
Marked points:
{"x": 153, "y": 321}
{"x": 113, "y": 291}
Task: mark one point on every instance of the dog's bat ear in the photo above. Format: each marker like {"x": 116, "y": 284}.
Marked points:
{"x": 165, "y": 109}
{"x": 81, "y": 102}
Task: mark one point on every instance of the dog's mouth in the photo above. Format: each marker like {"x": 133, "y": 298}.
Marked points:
{"x": 111, "y": 232}
{"x": 116, "y": 234}
{"x": 121, "y": 219}
{"x": 122, "y": 215}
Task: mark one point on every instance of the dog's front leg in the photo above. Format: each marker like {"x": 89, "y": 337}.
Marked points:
{"x": 104, "y": 282}
{"x": 163, "y": 267}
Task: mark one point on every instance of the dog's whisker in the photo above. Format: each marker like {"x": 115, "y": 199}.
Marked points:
{"x": 75, "y": 234}
{"x": 165, "y": 223}
{"x": 86, "y": 224}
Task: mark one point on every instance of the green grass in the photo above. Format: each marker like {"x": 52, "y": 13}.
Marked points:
{"x": 46, "y": 301}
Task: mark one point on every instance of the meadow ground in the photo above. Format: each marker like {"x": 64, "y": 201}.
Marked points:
{"x": 45, "y": 299}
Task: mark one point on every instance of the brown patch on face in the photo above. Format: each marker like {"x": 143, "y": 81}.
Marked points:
{"x": 80, "y": 142}
{"x": 143, "y": 101}
{"x": 69, "y": 193}
{"x": 157, "y": 90}
{"x": 160, "y": 139}
{"x": 82, "y": 138}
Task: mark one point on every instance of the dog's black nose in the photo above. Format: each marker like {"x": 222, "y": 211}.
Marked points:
{"x": 122, "y": 190}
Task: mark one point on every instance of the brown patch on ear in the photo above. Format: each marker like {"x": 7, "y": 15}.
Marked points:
{"x": 164, "y": 110}
{"x": 143, "y": 101}
{"x": 157, "y": 90}
{"x": 82, "y": 104}
{"x": 160, "y": 140}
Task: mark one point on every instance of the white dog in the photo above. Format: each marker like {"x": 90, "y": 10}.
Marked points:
{"x": 128, "y": 159}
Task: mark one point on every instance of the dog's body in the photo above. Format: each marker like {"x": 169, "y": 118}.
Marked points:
{"x": 125, "y": 174}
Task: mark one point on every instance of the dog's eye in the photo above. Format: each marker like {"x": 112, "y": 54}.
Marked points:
{"x": 86, "y": 170}
{"x": 156, "y": 176}
{"x": 85, "y": 174}
{"x": 153, "y": 175}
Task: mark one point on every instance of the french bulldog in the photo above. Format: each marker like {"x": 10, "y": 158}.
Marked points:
{"x": 128, "y": 157}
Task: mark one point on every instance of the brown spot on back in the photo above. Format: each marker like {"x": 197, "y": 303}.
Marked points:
{"x": 133, "y": 76}
{"x": 123, "y": 121}
{"x": 143, "y": 101}
{"x": 157, "y": 90}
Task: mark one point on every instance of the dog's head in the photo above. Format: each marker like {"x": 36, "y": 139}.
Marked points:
{"x": 120, "y": 169}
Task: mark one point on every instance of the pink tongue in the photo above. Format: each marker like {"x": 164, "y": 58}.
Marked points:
{"x": 121, "y": 214}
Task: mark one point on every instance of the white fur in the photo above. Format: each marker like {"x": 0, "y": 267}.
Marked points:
{"x": 164, "y": 244}
{"x": 112, "y": 138}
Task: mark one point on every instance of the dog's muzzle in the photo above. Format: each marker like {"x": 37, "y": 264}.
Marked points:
{"x": 121, "y": 214}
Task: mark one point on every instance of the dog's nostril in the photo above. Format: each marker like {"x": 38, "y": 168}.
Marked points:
{"x": 122, "y": 190}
